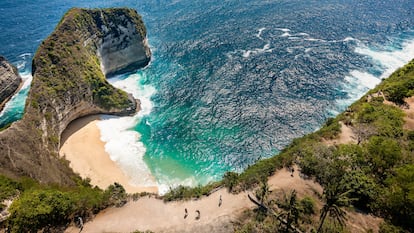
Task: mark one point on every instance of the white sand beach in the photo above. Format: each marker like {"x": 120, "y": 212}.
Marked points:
{"x": 83, "y": 148}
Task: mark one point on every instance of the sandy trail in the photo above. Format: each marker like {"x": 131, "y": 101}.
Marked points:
{"x": 155, "y": 215}
{"x": 82, "y": 147}
{"x": 347, "y": 136}
{"x": 409, "y": 118}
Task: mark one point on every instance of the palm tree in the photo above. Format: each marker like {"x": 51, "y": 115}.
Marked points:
{"x": 291, "y": 205}
{"x": 262, "y": 193}
{"x": 335, "y": 200}
{"x": 290, "y": 209}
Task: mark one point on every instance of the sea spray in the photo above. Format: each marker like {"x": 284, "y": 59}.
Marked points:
{"x": 385, "y": 61}
{"x": 123, "y": 143}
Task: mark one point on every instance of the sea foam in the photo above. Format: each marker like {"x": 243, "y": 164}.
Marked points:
{"x": 266, "y": 48}
{"x": 123, "y": 143}
{"x": 358, "y": 82}
{"x": 17, "y": 102}
{"x": 15, "y": 106}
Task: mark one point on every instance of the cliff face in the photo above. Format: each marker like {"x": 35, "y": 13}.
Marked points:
{"x": 123, "y": 45}
{"x": 9, "y": 80}
{"x": 68, "y": 83}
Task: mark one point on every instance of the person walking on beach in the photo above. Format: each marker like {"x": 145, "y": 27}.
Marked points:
{"x": 198, "y": 215}
{"x": 186, "y": 213}
{"x": 80, "y": 224}
{"x": 220, "y": 201}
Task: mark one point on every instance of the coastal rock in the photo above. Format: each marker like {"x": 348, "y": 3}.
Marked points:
{"x": 122, "y": 46}
{"x": 9, "y": 81}
{"x": 69, "y": 82}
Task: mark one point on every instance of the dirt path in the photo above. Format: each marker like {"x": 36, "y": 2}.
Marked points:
{"x": 409, "y": 118}
{"x": 346, "y": 136}
{"x": 155, "y": 215}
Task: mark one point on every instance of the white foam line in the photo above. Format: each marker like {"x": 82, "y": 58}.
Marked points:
{"x": 301, "y": 34}
{"x": 123, "y": 143}
{"x": 389, "y": 60}
{"x": 349, "y": 39}
{"x": 286, "y": 34}
{"x": 266, "y": 49}
{"x": 314, "y": 39}
{"x": 357, "y": 83}
{"x": 15, "y": 101}
{"x": 259, "y": 34}
{"x": 283, "y": 29}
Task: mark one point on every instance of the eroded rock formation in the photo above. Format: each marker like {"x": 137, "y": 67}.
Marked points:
{"x": 123, "y": 45}
{"x": 9, "y": 81}
{"x": 69, "y": 82}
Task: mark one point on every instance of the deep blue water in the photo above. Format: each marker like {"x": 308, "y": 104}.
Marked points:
{"x": 238, "y": 80}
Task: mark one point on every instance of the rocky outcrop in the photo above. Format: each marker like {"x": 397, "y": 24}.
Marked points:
{"x": 122, "y": 46}
{"x": 68, "y": 83}
{"x": 9, "y": 81}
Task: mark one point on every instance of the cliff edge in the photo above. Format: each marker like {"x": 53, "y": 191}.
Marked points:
{"x": 9, "y": 81}
{"x": 69, "y": 70}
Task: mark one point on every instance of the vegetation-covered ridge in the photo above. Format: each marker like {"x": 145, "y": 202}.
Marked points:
{"x": 68, "y": 83}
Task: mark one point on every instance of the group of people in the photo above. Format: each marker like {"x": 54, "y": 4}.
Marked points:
{"x": 198, "y": 211}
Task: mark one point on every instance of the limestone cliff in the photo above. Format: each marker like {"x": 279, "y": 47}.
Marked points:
{"x": 68, "y": 83}
{"x": 123, "y": 45}
{"x": 9, "y": 81}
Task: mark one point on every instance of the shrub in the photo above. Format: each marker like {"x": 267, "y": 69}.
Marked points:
{"x": 36, "y": 209}
{"x": 307, "y": 205}
{"x": 230, "y": 180}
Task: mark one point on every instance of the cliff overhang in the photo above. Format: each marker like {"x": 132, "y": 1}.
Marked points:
{"x": 69, "y": 81}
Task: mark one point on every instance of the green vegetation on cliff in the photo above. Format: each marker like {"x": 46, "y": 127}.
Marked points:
{"x": 67, "y": 61}
{"x": 51, "y": 208}
{"x": 68, "y": 83}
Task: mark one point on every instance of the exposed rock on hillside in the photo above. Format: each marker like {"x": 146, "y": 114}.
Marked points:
{"x": 68, "y": 83}
{"x": 9, "y": 81}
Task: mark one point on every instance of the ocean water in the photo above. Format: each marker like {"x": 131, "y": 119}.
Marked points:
{"x": 230, "y": 82}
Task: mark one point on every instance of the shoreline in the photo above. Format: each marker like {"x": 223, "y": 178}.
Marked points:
{"x": 19, "y": 88}
{"x": 82, "y": 146}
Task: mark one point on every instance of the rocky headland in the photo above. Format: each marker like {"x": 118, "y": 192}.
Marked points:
{"x": 10, "y": 81}
{"x": 69, "y": 81}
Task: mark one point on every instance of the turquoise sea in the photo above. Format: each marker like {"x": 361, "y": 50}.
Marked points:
{"x": 230, "y": 82}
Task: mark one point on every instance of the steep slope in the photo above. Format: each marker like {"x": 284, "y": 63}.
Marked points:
{"x": 9, "y": 81}
{"x": 69, "y": 82}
